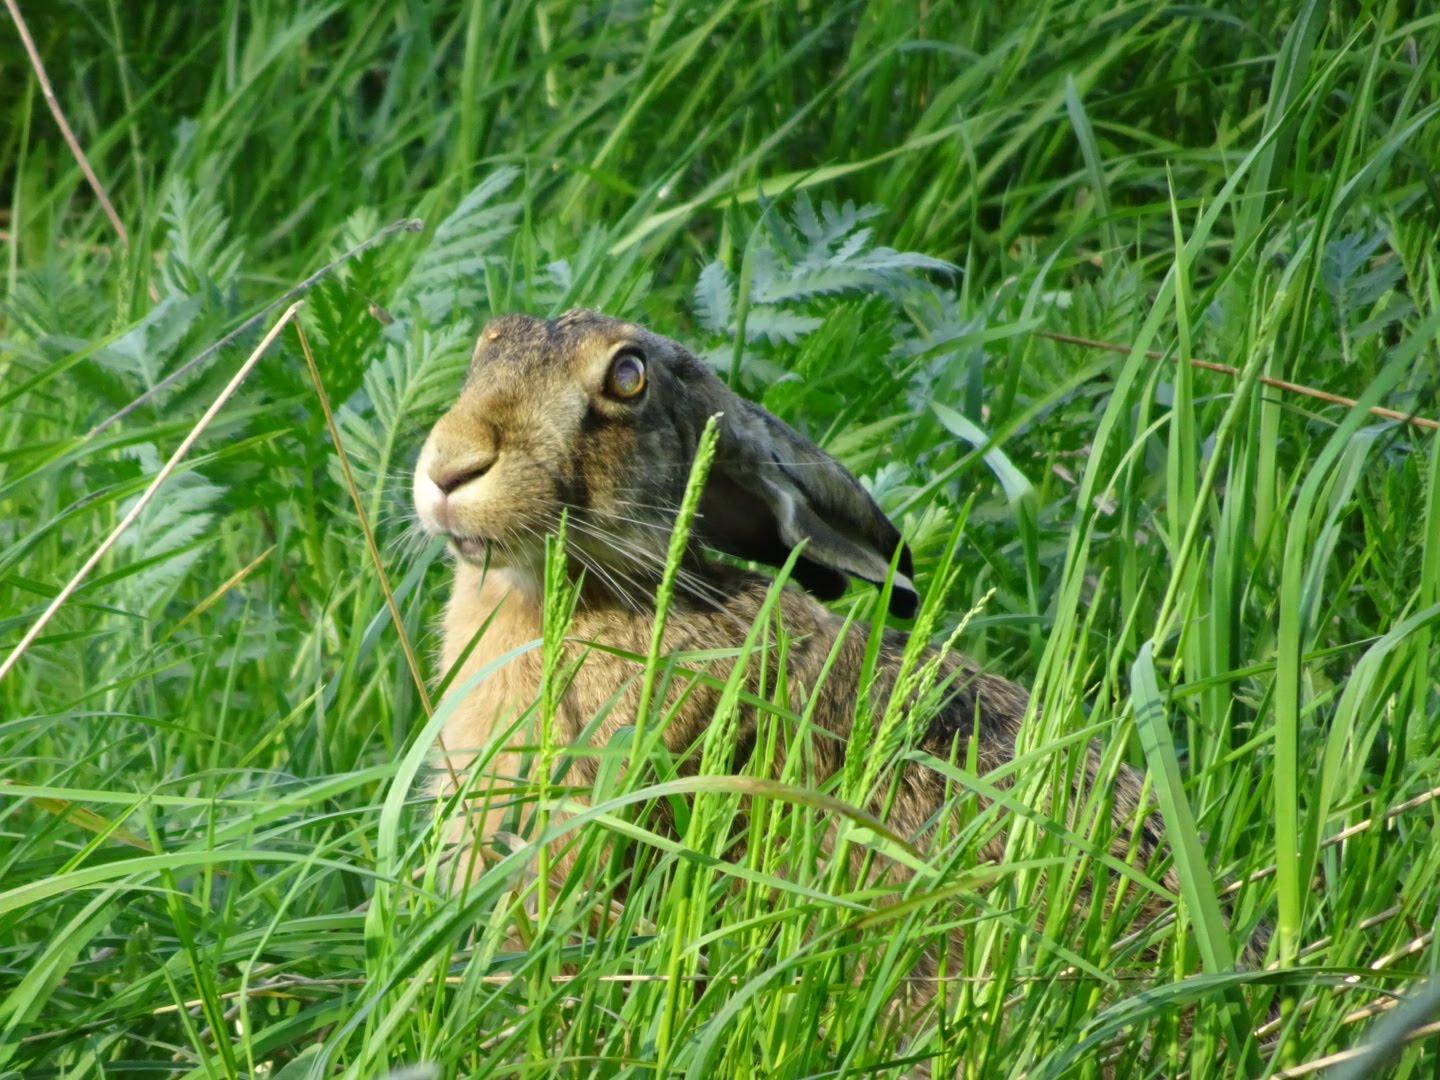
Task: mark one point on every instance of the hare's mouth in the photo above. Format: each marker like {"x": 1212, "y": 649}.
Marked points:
{"x": 495, "y": 553}
{"x": 473, "y": 548}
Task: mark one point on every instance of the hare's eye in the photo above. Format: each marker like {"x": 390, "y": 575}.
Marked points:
{"x": 626, "y": 378}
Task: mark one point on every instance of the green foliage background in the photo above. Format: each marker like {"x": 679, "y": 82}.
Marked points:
{"x": 213, "y": 858}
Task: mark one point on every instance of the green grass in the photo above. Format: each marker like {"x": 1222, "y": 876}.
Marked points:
{"x": 216, "y": 857}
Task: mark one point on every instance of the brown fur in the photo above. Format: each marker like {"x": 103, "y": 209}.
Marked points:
{"x": 534, "y": 432}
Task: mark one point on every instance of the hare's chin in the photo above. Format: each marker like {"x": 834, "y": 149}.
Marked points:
{"x": 472, "y": 548}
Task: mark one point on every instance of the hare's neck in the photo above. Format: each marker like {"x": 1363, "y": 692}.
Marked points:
{"x": 507, "y": 600}
{"x": 491, "y": 623}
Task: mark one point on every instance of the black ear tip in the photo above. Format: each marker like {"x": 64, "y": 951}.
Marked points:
{"x": 818, "y": 579}
{"x": 904, "y": 603}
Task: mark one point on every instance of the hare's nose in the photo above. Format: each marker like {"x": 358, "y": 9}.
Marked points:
{"x": 454, "y": 475}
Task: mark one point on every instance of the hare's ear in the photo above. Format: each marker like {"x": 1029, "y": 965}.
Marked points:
{"x": 770, "y": 489}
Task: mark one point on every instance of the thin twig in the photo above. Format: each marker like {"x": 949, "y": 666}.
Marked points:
{"x": 405, "y": 225}
{"x": 1320, "y": 944}
{"x": 1340, "y": 837}
{"x": 149, "y": 493}
{"x": 70, "y": 139}
{"x": 350, "y": 484}
{"x": 1350, "y": 982}
{"x": 1266, "y": 871}
{"x": 1309, "y": 1067}
{"x": 1226, "y": 369}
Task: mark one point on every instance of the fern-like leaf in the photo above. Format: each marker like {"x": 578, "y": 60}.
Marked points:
{"x": 402, "y": 390}
{"x": 447, "y": 274}
{"x": 196, "y": 255}
{"x": 713, "y": 298}
{"x": 143, "y": 353}
{"x": 169, "y": 536}
{"x": 799, "y": 268}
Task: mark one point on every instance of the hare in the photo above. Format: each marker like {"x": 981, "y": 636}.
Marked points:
{"x": 600, "y": 418}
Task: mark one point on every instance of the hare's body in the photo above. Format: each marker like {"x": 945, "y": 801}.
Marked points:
{"x": 511, "y": 608}
{"x": 598, "y": 420}
{"x": 499, "y": 612}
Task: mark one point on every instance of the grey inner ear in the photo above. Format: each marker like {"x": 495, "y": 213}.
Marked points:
{"x": 828, "y": 544}
{"x": 736, "y": 519}
{"x": 771, "y": 489}
{"x": 739, "y": 523}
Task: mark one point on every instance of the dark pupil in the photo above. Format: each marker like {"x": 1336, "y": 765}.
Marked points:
{"x": 627, "y": 376}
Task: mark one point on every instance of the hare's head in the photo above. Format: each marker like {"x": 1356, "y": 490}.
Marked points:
{"x": 601, "y": 417}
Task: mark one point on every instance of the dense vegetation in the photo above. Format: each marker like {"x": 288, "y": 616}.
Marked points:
{"x": 216, "y": 855}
